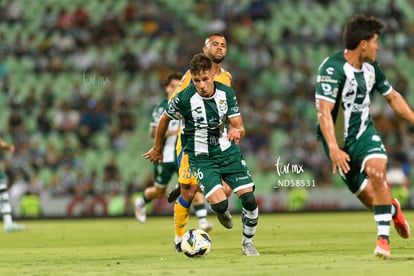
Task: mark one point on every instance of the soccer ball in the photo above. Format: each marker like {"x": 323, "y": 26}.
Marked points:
{"x": 196, "y": 243}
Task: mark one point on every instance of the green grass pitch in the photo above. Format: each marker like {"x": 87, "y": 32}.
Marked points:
{"x": 290, "y": 244}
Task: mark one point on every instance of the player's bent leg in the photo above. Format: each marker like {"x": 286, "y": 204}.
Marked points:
{"x": 365, "y": 195}
{"x": 220, "y": 204}
{"x": 250, "y": 217}
{"x": 181, "y": 216}
{"x": 174, "y": 193}
{"x": 148, "y": 195}
{"x": 400, "y": 223}
{"x": 376, "y": 171}
{"x": 201, "y": 212}
{"x": 182, "y": 212}
{"x": 6, "y": 211}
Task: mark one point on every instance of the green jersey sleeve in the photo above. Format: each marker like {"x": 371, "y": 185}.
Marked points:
{"x": 329, "y": 79}
{"x": 233, "y": 108}
{"x": 175, "y": 108}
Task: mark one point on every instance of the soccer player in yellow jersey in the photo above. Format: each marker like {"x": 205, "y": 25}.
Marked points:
{"x": 215, "y": 48}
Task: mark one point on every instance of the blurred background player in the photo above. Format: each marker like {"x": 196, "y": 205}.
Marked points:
{"x": 215, "y": 48}
{"x": 163, "y": 171}
{"x": 345, "y": 85}
{"x": 5, "y": 206}
{"x": 213, "y": 126}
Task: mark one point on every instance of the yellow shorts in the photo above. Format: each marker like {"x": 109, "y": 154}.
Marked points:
{"x": 184, "y": 172}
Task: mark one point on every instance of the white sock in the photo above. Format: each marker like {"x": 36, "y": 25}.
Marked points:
{"x": 177, "y": 239}
{"x": 5, "y": 207}
{"x": 7, "y": 219}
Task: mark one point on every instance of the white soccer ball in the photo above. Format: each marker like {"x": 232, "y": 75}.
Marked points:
{"x": 196, "y": 243}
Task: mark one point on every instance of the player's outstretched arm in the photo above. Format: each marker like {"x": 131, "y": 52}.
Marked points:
{"x": 155, "y": 153}
{"x": 400, "y": 106}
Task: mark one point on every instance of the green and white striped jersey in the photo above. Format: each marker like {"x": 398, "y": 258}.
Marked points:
{"x": 351, "y": 90}
{"x": 205, "y": 119}
{"x": 168, "y": 150}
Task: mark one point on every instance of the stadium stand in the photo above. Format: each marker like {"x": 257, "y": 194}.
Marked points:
{"x": 274, "y": 50}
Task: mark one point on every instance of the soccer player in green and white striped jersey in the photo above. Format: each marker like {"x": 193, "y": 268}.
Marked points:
{"x": 5, "y": 206}
{"x": 345, "y": 85}
{"x": 208, "y": 108}
{"x": 164, "y": 170}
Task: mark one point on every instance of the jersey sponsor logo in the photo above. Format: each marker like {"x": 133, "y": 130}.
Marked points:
{"x": 213, "y": 122}
{"x": 330, "y": 70}
{"x": 327, "y": 79}
{"x": 214, "y": 141}
{"x": 328, "y": 91}
{"x": 242, "y": 178}
{"x": 171, "y": 109}
{"x": 360, "y": 108}
{"x": 199, "y": 119}
{"x": 378, "y": 149}
{"x": 173, "y": 113}
{"x": 348, "y": 95}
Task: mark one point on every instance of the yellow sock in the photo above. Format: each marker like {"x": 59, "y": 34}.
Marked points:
{"x": 181, "y": 216}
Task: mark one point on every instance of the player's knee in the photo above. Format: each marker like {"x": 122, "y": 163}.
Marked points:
{"x": 375, "y": 173}
{"x": 248, "y": 201}
{"x": 188, "y": 191}
{"x": 220, "y": 207}
{"x": 159, "y": 191}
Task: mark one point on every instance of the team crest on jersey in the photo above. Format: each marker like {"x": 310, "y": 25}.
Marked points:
{"x": 222, "y": 105}
{"x": 371, "y": 82}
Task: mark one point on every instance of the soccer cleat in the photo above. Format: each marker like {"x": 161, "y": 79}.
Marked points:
{"x": 177, "y": 247}
{"x": 400, "y": 224}
{"x": 206, "y": 226}
{"x": 249, "y": 249}
{"x": 13, "y": 227}
{"x": 226, "y": 219}
{"x": 140, "y": 210}
{"x": 383, "y": 248}
{"x": 173, "y": 195}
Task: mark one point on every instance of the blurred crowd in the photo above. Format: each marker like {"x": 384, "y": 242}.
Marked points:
{"x": 116, "y": 59}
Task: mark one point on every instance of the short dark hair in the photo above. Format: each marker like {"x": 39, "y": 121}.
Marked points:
{"x": 200, "y": 63}
{"x": 173, "y": 76}
{"x": 360, "y": 27}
